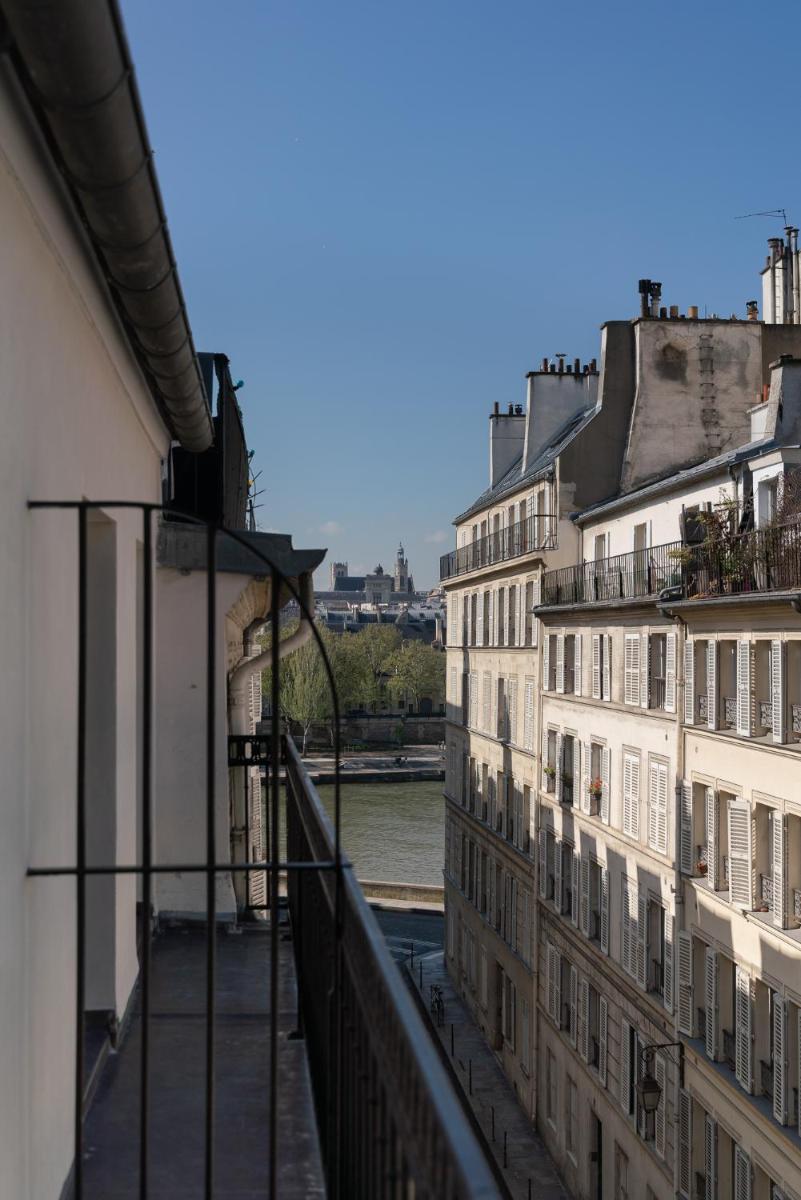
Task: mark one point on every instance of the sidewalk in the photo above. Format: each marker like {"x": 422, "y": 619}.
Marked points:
{"x": 530, "y": 1172}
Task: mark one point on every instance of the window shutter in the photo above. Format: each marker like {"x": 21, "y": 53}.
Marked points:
{"x": 660, "y": 1115}
{"x": 543, "y": 864}
{"x": 491, "y": 618}
{"x": 572, "y": 1030}
{"x": 659, "y": 786}
{"x": 534, "y": 620}
{"x": 574, "y": 891}
{"x": 596, "y": 666}
{"x": 689, "y": 683}
{"x": 711, "y": 1158}
{"x": 559, "y": 743}
{"x": 642, "y": 941}
{"x": 512, "y": 730}
{"x": 779, "y": 869}
{"x": 603, "y": 1037}
{"x": 557, "y": 874}
{"x": 777, "y": 691}
{"x": 486, "y": 701}
{"x": 586, "y": 764}
{"x": 550, "y": 980}
{"x": 584, "y": 1020}
{"x": 711, "y": 997}
{"x": 712, "y": 684}
{"x": 740, "y": 853}
{"x": 685, "y": 790}
{"x": 744, "y": 688}
{"x": 585, "y": 895}
{"x": 779, "y": 1059}
{"x": 577, "y": 664}
{"x": 653, "y": 806}
{"x": 544, "y": 759}
{"x": 667, "y": 964}
{"x": 557, "y": 988}
{"x": 625, "y": 930}
{"x": 528, "y": 716}
{"x": 625, "y": 1066}
{"x": 605, "y": 910}
{"x": 645, "y": 670}
{"x": 631, "y": 669}
{"x": 742, "y": 1175}
{"x": 605, "y": 782}
{"x": 546, "y": 658}
{"x": 480, "y": 620}
{"x": 607, "y": 667}
{"x": 712, "y": 838}
{"x": 519, "y": 609}
{"x": 685, "y": 1144}
{"x": 670, "y": 672}
{"x": 560, "y": 663}
{"x": 684, "y": 954}
{"x": 743, "y": 1044}
{"x": 631, "y": 795}
{"x": 798, "y": 1062}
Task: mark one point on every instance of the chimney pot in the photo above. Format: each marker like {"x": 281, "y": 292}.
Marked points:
{"x": 496, "y": 408}
{"x": 552, "y": 368}
{"x": 674, "y": 311}
{"x": 577, "y": 366}
{"x": 692, "y": 312}
{"x": 593, "y": 365}
{"x": 752, "y": 310}
{"x": 545, "y": 364}
{"x": 511, "y": 409}
{"x": 561, "y": 366}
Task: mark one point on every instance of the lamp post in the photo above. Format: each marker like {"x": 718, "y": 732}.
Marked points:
{"x": 648, "y": 1090}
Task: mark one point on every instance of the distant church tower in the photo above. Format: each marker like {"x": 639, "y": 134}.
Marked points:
{"x": 403, "y": 580}
{"x": 338, "y": 571}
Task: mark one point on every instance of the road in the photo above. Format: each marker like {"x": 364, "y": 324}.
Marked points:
{"x": 401, "y": 927}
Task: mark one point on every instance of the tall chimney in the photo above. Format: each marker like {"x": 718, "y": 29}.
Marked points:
{"x": 644, "y": 287}
{"x": 656, "y": 296}
{"x": 752, "y": 310}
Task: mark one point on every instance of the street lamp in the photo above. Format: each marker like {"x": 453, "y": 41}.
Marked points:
{"x": 648, "y": 1089}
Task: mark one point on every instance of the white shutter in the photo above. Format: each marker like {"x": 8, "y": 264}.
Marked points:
{"x": 603, "y": 1038}
{"x": 493, "y": 868}
{"x": 577, "y": 664}
{"x": 711, "y": 998}
{"x": 645, "y": 671}
{"x": 557, "y": 988}
{"x": 560, "y": 662}
{"x": 550, "y": 980}
{"x": 740, "y": 853}
{"x": 685, "y": 1144}
{"x": 744, "y": 688}
{"x": 712, "y": 838}
{"x": 584, "y": 1020}
{"x": 486, "y": 701}
{"x": 657, "y": 815}
{"x": 512, "y": 704}
{"x": 585, "y": 895}
{"x": 667, "y": 965}
{"x": 574, "y": 891}
{"x": 689, "y": 683}
{"x": 596, "y": 666}
{"x": 670, "y": 672}
{"x": 480, "y": 620}
{"x": 685, "y": 790}
{"x": 605, "y": 910}
{"x": 661, "y": 1112}
{"x": 605, "y": 788}
{"x": 557, "y": 874}
{"x": 653, "y": 806}
{"x": 625, "y": 1066}
{"x": 626, "y": 929}
{"x": 779, "y": 1059}
{"x": 528, "y": 716}
{"x": 586, "y": 767}
{"x": 779, "y": 869}
{"x": 642, "y": 940}
{"x": 711, "y": 1158}
{"x": 631, "y": 795}
{"x": 777, "y": 690}
{"x": 543, "y": 864}
{"x": 742, "y": 1035}
{"x": 712, "y": 684}
{"x": 572, "y": 1031}
{"x": 519, "y": 609}
{"x": 631, "y": 669}
{"x": 607, "y": 667}
{"x": 491, "y": 616}
{"x": 742, "y": 1175}
{"x": 559, "y": 743}
{"x": 684, "y": 956}
{"x": 546, "y": 658}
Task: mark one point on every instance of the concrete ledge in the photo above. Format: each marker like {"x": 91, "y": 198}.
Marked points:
{"x": 418, "y": 893}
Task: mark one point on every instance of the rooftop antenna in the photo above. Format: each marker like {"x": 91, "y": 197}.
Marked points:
{"x": 769, "y": 212}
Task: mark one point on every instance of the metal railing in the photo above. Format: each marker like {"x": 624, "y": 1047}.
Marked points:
{"x": 532, "y": 533}
{"x": 762, "y": 560}
{"x": 392, "y": 1124}
{"x": 621, "y": 577}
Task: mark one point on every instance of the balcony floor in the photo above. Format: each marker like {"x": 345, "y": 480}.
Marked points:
{"x": 177, "y": 1081}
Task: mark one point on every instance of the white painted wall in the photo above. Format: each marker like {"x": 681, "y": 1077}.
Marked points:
{"x": 661, "y": 516}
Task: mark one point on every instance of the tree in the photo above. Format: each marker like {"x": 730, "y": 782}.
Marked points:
{"x": 416, "y": 670}
{"x": 376, "y": 644}
{"x": 305, "y": 692}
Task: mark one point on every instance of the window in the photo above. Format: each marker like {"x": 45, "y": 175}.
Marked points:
{"x": 528, "y": 636}
{"x": 487, "y": 636}
{"x": 546, "y": 864}
{"x": 568, "y": 768}
{"x": 525, "y": 1037}
{"x": 501, "y": 616}
{"x": 600, "y": 545}
{"x": 634, "y": 932}
{"x": 549, "y": 665}
{"x": 502, "y": 729}
{"x": 571, "y": 1117}
{"x": 549, "y": 770}
{"x": 601, "y": 666}
{"x": 657, "y": 651}
{"x": 509, "y": 1004}
{"x": 528, "y": 715}
{"x": 513, "y": 602}
{"x": 621, "y": 1174}
{"x": 569, "y": 663}
{"x": 550, "y": 1087}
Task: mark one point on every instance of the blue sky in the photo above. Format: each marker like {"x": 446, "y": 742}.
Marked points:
{"x": 385, "y": 214}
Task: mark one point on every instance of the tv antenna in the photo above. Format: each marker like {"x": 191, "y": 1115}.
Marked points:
{"x": 769, "y": 212}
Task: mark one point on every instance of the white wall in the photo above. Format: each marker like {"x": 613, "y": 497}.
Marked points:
{"x": 661, "y": 516}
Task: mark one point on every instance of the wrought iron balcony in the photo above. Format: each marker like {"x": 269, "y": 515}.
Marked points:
{"x": 621, "y": 577}
{"x": 762, "y": 560}
{"x": 532, "y": 534}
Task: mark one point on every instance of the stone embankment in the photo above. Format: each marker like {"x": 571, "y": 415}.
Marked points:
{"x": 423, "y": 763}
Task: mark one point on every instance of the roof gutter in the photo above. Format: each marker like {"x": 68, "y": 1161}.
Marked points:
{"x": 73, "y": 61}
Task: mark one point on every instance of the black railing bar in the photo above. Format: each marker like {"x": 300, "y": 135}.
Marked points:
{"x": 187, "y": 868}
{"x": 211, "y": 846}
{"x": 147, "y": 849}
{"x": 275, "y": 765}
{"x": 80, "y": 854}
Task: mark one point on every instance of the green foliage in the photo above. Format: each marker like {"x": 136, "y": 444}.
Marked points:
{"x": 417, "y": 670}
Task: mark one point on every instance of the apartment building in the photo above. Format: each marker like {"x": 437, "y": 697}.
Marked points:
{"x": 641, "y": 808}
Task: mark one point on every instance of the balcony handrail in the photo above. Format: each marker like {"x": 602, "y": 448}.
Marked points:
{"x": 760, "y": 560}
{"x": 381, "y": 1025}
{"x": 524, "y": 537}
{"x": 620, "y": 577}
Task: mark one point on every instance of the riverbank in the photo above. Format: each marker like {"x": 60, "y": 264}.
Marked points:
{"x": 422, "y": 764}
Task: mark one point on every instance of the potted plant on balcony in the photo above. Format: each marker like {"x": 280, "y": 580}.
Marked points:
{"x": 596, "y": 788}
{"x": 701, "y": 867}
{"x": 549, "y": 772}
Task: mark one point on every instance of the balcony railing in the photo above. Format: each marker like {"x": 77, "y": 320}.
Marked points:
{"x": 763, "y": 560}
{"x": 533, "y": 533}
{"x": 622, "y": 577}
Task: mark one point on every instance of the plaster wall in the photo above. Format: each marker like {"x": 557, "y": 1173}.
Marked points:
{"x": 661, "y": 516}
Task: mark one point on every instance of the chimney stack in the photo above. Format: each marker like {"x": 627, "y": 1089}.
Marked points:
{"x": 644, "y": 287}
{"x": 752, "y": 310}
{"x": 692, "y": 312}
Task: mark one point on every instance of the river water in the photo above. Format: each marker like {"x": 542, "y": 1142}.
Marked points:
{"x": 392, "y": 831}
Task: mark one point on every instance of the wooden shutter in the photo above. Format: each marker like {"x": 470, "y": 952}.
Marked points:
{"x": 684, "y": 1000}
{"x": 584, "y": 1020}
{"x": 670, "y": 672}
{"x": 577, "y": 664}
{"x": 711, "y": 1158}
{"x": 778, "y": 890}
{"x": 543, "y": 864}
{"x": 660, "y": 1115}
{"x": 712, "y": 684}
{"x": 686, "y": 849}
{"x": 574, "y": 891}
{"x": 486, "y": 701}
{"x": 528, "y": 716}
{"x": 625, "y": 928}
{"x": 743, "y": 1011}
{"x": 645, "y": 670}
{"x": 685, "y": 1163}
{"x": 573, "y": 1025}
{"x": 744, "y": 688}
{"x": 603, "y": 1038}
{"x": 740, "y": 853}
{"x": 557, "y": 874}
{"x": 605, "y": 910}
{"x": 689, "y": 683}
{"x": 585, "y": 895}
{"x": 712, "y": 838}
{"x": 519, "y": 609}
{"x": 596, "y": 666}
{"x": 557, "y": 988}
{"x": 546, "y": 660}
{"x": 586, "y": 767}
{"x": 779, "y": 1059}
{"x": 625, "y": 1065}
{"x": 667, "y": 964}
{"x": 550, "y": 980}
{"x": 511, "y": 731}
{"x": 559, "y": 744}
{"x": 777, "y": 672}
{"x": 742, "y": 1175}
{"x": 631, "y": 795}
{"x": 560, "y": 662}
{"x": 711, "y": 999}
{"x": 631, "y": 669}
{"x": 605, "y": 788}
{"x": 607, "y": 667}
{"x": 658, "y": 785}
{"x": 489, "y": 633}
{"x": 642, "y": 940}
